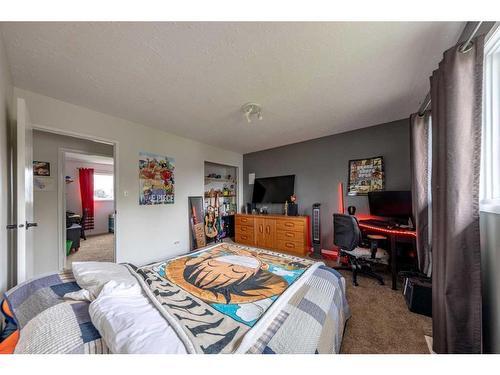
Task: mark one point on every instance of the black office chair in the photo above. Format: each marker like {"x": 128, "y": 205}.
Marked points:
{"x": 347, "y": 236}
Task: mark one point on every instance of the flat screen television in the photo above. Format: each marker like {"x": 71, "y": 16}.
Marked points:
{"x": 391, "y": 204}
{"x": 273, "y": 189}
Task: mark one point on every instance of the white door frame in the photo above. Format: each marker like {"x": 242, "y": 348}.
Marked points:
{"x": 61, "y": 189}
{"x": 61, "y": 200}
{"x": 24, "y": 193}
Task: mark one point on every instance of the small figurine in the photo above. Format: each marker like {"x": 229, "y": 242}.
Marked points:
{"x": 293, "y": 208}
{"x": 286, "y": 208}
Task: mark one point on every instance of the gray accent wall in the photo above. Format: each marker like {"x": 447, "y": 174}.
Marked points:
{"x": 320, "y": 164}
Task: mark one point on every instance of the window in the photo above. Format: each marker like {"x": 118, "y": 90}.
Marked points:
{"x": 103, "y": 187}
{"x": 490, "y": 158}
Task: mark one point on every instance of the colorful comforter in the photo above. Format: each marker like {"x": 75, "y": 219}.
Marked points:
{"x": 218, "y": 298}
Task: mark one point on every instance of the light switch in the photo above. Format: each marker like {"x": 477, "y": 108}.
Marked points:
{"x": 125, "y": 193}
{"x": 251, "y": 178}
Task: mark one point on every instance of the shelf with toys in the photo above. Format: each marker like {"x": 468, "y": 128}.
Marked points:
{"x": 220, "y": 200}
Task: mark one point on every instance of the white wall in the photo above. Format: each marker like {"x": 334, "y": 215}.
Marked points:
{"x": 5, "y": 116}
{"x": 46, "y": 211}
{"x": 143, "y": 233}
{"x": 102, "y": 208}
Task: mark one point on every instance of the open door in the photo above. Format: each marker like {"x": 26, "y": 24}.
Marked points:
{"x": 24, "y": 193}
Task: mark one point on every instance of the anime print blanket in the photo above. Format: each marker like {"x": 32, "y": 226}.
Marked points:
{"x": 222, "y": 298}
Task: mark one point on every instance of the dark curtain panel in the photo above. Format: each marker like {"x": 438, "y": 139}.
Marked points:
{"x": 419, "y": 155}
{"x": 86, "y": 179}
{"x": 456, "y": 94}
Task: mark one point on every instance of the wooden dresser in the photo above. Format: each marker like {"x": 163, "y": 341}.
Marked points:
{"x": 287, "y": 234}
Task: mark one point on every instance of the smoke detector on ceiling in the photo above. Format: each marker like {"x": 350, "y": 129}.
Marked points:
{"x": 251, "y": 109}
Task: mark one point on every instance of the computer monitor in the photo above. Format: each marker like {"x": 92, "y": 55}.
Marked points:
{"x": 391, "y": 204}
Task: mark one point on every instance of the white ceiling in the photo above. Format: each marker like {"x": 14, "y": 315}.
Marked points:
{"x": 87, "y": 158}
{"x": 312, "y": 79}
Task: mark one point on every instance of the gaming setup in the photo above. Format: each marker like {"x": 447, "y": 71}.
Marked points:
{"x": 390, "y": 211}
{"x": 390, "y": 216}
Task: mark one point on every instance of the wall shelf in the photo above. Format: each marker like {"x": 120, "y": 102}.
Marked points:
{"x": 224, "y": 180}
{"x": 227, "y": 204}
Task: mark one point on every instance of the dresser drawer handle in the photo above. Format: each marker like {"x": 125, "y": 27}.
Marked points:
{"x": 290, "y": 244}
{"x": 288, "y": 234}
{"x": 244, "y": 237}
{"x": 289, "y": 224}
{"x": 244, "y": 220}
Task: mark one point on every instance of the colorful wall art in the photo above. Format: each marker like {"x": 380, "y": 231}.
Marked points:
{"x": 156, "y": 179}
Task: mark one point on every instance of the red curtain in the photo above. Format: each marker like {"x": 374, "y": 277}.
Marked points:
{"x": 86, "y": 178}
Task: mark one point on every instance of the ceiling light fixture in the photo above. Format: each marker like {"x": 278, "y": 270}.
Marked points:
{"x": 251, "y": 109}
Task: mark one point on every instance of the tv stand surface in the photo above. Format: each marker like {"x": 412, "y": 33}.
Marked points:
{"x": 288, "y": 234}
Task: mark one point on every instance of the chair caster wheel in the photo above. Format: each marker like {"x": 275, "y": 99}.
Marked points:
{"x": 355, "y": 283}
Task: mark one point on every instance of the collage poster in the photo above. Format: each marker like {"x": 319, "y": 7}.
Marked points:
{"x": 156, "y": 179}
{"x": 365, "y": 175}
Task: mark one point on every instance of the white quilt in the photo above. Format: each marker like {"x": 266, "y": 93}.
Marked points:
{"x": 121, "y": 312}
{"x": 132, "y": 325}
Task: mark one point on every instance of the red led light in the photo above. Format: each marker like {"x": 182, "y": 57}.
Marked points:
{"x": 387, "y": 230}
{"x": 340, "y": 202}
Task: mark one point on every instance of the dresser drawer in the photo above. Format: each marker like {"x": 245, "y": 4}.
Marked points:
{"x": 245, "y": 238}
{"x": 296, "y": 247}
{"x": 245, "y": 229}
{"x": 290, "y": 225}
{"x": 244, "y": 220}
{"x": 288, "y": 235}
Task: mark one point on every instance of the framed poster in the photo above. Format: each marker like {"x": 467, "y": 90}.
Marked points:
{"x": 41, "y": 168}
{"x": 365, "y": 175}
{"x": 156, "y": 179}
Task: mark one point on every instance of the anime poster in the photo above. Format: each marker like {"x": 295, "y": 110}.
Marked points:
{"x": 365, "y": 175}
{"x": 156, "y": 179}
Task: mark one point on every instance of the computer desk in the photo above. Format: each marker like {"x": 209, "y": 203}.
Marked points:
{"x": 393, "y": 234}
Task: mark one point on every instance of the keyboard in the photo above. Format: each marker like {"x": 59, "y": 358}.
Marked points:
{"x": 377, "y": 223}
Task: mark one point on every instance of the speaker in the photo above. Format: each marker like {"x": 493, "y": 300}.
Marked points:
{"x": 316, "y": 231}
{"x": 418, "y": 295}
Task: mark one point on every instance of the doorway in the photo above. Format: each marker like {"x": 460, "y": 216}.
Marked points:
{"x": 59, "y": 156}
{"x": 89, "y": 207}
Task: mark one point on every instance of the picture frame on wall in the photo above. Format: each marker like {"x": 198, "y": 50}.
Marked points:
{"x": 41, "y": 168}
{"x": 156, "y": 179}
{"x": 366, "y": 175}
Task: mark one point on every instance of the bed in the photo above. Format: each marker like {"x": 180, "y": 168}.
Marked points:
{"x": 225, "y": 298}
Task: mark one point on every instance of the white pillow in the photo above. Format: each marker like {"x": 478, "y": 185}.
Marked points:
{"x": 93, "y": 276}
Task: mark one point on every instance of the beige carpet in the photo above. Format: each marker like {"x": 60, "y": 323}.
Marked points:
{"x": 99, "y": 248}
{"x": 381, "y": 321}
